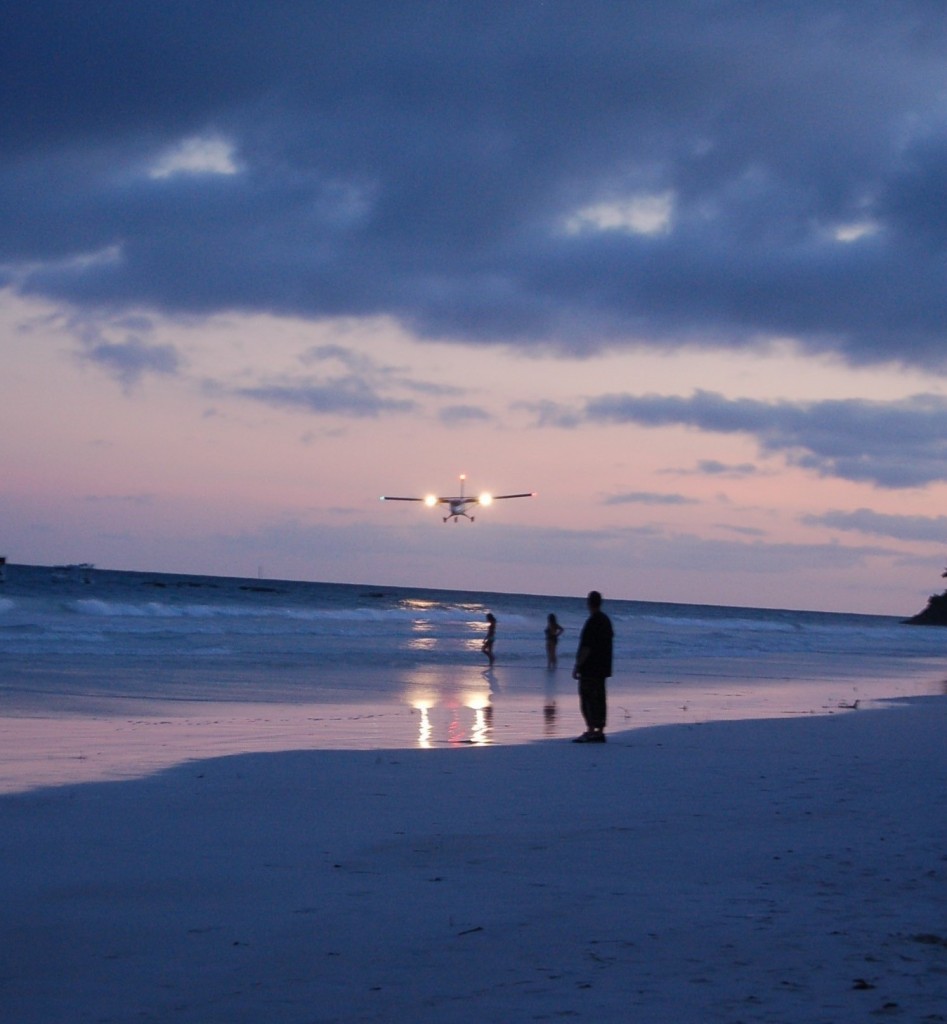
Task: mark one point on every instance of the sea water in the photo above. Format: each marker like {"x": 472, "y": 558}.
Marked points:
{"x": 378, "y": 666}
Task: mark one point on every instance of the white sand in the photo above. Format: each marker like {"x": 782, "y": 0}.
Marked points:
{"x": 780, "y": 871}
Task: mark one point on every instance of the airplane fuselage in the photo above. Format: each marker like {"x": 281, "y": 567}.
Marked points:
{"x": 458, "y": 509}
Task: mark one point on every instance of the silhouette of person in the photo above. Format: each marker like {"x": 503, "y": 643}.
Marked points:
{"x": 553, "y": 632}
{"x": 593, "y": 665}
{"x": 487, "y": 645}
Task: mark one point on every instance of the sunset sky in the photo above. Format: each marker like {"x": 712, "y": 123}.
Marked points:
{"x": 680, "y": 268}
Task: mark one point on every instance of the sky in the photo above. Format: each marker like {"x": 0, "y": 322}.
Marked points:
{"x": 679, "y": 268}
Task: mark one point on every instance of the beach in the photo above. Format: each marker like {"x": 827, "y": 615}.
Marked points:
{"x": 231, "y": 801}
{"x": 762, "y": 870}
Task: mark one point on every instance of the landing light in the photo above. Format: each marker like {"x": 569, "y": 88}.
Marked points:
{"x": 485, "y": 499}
{"x": 430, "y": 500}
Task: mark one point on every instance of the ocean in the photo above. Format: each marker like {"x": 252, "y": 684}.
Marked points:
{"x": 378, "y": 666}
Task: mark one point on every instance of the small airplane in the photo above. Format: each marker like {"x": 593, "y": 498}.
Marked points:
{"x": 459, "y": 503}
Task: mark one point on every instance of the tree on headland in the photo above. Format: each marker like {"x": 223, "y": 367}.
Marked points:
{"x": 935, "y": 614}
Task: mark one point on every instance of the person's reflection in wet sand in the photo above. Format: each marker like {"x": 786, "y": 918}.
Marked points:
{"x": 550, "y": 710}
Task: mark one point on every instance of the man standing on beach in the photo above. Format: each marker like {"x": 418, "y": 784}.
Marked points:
{"x": 593, "y": 665}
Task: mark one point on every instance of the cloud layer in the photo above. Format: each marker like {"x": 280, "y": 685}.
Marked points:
{"x": 550, "y": 174}
{"x": 894, "y": 444}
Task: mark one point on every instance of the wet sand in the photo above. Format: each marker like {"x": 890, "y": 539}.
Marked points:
{"x": 759, "y": 870}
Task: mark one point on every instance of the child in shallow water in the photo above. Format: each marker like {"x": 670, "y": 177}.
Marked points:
{"x": 487, "y": 645}
{"x": 552, "y": 633}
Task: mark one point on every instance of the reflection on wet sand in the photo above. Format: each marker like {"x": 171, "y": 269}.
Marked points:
{"x": 462, "y": 712}
{"x": 468, "y": 707}
{"x": 424, "y": 732}
{"x": 469, "y": 722}
{"x": 550, "y": 711}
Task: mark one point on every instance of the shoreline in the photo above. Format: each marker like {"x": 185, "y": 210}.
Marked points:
{"x": 757, "y": 871}
{"x": 104, "y": 723}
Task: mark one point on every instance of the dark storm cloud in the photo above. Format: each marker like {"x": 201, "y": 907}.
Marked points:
{"x": 894, "y": 444}
{"x": 552, "y": 173}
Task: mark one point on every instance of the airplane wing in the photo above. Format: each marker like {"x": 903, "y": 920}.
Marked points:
{"x": 469, "y": 498}
{"x": 431, "y": 499}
